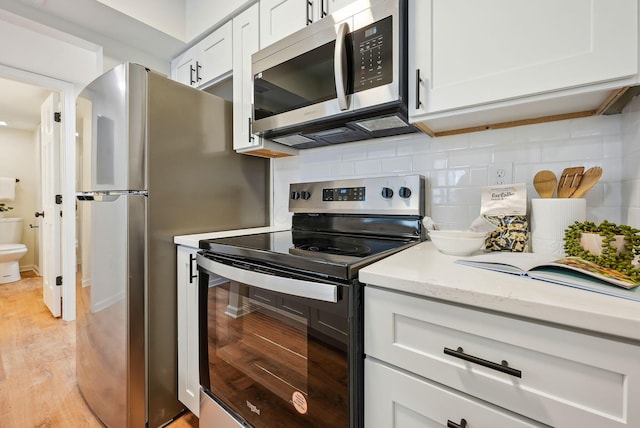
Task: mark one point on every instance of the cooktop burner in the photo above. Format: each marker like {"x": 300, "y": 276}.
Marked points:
{"x": 337, "y": 227}
{"x": 325, "y": 253}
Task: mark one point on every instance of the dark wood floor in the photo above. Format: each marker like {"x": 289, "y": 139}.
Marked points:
{"x": 37, "y": 364}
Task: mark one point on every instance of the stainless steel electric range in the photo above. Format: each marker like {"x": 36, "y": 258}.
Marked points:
{"x": 281, "y": 328}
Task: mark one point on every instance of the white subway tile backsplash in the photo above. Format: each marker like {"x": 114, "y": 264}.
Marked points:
{"x": 343, "y": 170}
{"x": 549, "y": 131}
{"x": 396, "y": 165}
{"x": 572, "y": 150}
{"x": 430, "y": 161}
{"x": 595, "y": 126}
{"x": 632, "y": 217}
{"x": 471, "y": 157}
{"x": 494, "y": 137}
{"x": 456, "y": 166}
{"x": 450, "y": 143}
{"x": 611, "y": 146}
{"x": 368, "y": 167}
{"x": 463, "y": 196}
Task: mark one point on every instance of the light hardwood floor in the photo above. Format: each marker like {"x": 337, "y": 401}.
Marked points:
{"x": 37, "y": 364}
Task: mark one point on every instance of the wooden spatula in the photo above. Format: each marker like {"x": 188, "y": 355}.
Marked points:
{"x": 569, "y": 181}
{"x": 545, "y": 183}
{"x": 589, "y": 178}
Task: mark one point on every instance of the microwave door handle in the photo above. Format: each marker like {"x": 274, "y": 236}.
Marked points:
{"x": 340, "y": 66}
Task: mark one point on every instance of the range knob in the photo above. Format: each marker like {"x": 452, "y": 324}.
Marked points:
{"x": 404, "y": 192}
{"x": 295, "y": 195}
{"x": 305, "y": 195}
{"x": 387, "y": 193}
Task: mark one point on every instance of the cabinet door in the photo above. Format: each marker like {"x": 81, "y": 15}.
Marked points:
{"x": 279, "y": 18}
{"x": 188, "y": 370}
{"x": 183, "y": 68}
{"x": 396, "y": 399}
{"x": 327, "y": 7}
{"x": 215, "y": 55}
{"x": 503, "y": 49}
{"x": 562, "y": 378}
{"x": 245, "y": 42}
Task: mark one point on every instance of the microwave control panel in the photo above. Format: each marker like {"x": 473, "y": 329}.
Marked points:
{"x": 373, "y": 55}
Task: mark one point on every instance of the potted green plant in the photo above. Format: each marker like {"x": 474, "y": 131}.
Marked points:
{"x": 4, "y": 208}
{"x": 617, "y": 246}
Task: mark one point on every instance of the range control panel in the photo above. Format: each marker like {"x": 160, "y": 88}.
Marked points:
{"x": 344, "y": 194}
{"x": 379, "y": 195}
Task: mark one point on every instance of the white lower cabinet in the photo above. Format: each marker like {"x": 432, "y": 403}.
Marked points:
{"x": 188, "y": 369}
{"x": 409, "y": 401}
{"x": 480, "y": 365}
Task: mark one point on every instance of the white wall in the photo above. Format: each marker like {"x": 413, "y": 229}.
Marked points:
{"x": 19, "y": 159}
{"x": 456, "y": 167}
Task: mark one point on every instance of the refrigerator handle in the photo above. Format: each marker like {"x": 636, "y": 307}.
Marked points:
{"x": 98, "y": 198}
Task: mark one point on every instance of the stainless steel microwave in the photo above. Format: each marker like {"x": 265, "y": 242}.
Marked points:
{"x": 340, "y": 79}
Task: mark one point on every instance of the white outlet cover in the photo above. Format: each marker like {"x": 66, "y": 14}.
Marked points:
{"x": 500, "y": 173}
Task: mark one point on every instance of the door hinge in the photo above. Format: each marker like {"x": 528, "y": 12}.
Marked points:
{"x": 57, "y": 116}
{"x": 58, "y": 199}
{"x": 58, "y": 280}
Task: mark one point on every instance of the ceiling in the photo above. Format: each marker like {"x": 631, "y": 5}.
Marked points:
{"x": 20, "y": 104}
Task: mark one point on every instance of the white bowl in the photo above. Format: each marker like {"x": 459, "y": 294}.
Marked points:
{"x": 457, "y": 242}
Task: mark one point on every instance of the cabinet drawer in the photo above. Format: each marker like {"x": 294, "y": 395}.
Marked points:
{"x": 565, "y": 376}
{"x": 395, "y": 399}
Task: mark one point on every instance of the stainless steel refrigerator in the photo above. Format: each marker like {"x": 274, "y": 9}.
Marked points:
{"x": 155, "y": 161}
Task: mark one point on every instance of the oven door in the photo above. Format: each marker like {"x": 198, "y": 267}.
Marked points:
{"x": 275, "y": 351}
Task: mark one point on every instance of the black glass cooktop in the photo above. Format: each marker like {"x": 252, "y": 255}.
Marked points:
{"x": 333, "y": 254}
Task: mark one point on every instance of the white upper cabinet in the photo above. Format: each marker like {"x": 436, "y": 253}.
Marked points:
{"x": 246, "y": 41}
{"x": 279, "y": 18}
{"x": 327, "y": 7}
{"x": 202, "y": 15}
{"x": 471, "y": 54}
{"x": 208, "y": 61}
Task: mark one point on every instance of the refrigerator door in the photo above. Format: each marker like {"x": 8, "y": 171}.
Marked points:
{"x": 112, "y": 112}
{"x": 110, "y": 361}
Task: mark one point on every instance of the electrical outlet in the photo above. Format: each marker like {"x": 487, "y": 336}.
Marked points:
{"x": 500, "y": 173}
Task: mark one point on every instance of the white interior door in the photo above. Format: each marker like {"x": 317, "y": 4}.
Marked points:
{"x": 51, "y": 222}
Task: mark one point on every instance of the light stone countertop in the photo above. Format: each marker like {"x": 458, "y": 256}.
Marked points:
{"x": 423, "y": 271}
{"x": 193, "y": 240}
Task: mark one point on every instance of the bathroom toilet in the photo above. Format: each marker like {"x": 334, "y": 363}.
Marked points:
{"x": 11, "y": 250}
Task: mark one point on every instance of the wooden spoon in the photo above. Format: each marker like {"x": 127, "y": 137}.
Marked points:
{"x": 569, "y": 181}
{"x": 545, "y": 183}
{"x": 589, "y": 178}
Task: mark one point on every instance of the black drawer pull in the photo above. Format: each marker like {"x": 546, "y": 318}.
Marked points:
{"x": 451, "y": 424}
{"x": 503, "y": 367}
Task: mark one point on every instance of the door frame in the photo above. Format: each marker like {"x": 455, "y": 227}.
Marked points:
{"x": 67, "y": 177}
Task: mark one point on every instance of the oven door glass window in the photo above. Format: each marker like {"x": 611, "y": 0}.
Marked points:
{"x": 278, "y": 360}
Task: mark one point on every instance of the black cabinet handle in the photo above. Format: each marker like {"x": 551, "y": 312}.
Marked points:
{"x": 192, "y": 258}
{"x": 418, "y": 81}
{"x": 502, "y": 367}
{"x": 309, "y": 12}
{"x": 39, "y": 214}
{"x": 250, "y": 133}
{"x": 191, "y": 71}
{"x": 198, "y": 67}
{"x": 324, "y": 9}
{"x": 451, "y": 424}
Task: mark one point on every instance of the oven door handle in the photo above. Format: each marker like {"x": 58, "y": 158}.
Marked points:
{"x": 279, "y": 284}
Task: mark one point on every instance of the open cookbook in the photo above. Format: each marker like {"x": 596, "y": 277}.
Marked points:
{"x": 569, "y": 271}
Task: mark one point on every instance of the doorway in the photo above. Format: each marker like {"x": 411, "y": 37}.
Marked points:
{"x": 24, "y": 81}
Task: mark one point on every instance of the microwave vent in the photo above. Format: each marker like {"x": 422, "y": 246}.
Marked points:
{"x": 382, "y": 123}
{"x": 292, "y": 140}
